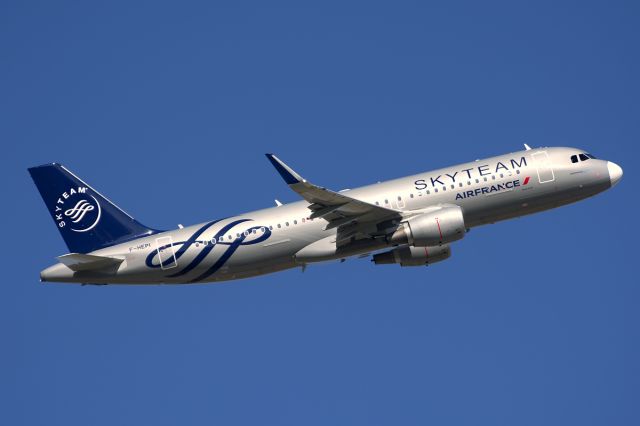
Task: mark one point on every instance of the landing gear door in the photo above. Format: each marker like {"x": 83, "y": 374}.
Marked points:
{"x": 166, "y": 254}
{"x": 543, "y": 165}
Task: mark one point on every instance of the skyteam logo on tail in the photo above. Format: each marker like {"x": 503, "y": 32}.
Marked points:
{"x": 77, "y": 210}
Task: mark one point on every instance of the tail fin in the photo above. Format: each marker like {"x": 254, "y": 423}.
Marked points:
{"x": 86, "y": 219}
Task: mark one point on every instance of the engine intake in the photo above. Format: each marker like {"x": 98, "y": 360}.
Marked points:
{"x": 440, "y": 226}
{"x": 413, "y": 256}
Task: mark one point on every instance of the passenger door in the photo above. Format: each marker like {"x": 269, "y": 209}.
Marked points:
{"x": 543, "y": 166}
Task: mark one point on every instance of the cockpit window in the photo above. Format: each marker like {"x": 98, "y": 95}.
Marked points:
{"x": 581, "y": 157}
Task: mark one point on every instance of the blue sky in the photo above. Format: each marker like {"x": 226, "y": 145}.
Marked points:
{"x": 167, "y": 108}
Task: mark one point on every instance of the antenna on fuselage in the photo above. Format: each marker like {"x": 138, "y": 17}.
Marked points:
{"x": 278, "y": 203}
{"x": 527, "y": 147}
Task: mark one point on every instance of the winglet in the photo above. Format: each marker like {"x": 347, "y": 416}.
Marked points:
{"x": 289, "y": 176}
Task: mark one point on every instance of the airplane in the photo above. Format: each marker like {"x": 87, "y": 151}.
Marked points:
{"x": 410, "y": 221}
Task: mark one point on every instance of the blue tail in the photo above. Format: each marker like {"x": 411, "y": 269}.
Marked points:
{"x": 87, "y": 220}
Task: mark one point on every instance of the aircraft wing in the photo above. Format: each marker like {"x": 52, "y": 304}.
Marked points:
{"x": 349, "y": 215}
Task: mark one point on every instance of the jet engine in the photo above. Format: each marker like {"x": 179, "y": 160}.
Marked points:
{"x": 440, "y": 226}
{"x": 413, "y": 256}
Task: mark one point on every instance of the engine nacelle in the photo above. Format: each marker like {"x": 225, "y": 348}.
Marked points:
{"x": 413, "y": 256}
{"x": 440, "y": 226}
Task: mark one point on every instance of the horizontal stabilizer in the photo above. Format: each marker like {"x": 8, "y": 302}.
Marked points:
{"x": 85, "y": 262}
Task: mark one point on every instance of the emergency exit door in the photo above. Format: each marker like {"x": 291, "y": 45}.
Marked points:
{"x": 166, "y": 254}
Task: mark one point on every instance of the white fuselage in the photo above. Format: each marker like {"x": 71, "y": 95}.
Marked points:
{"x": 268, "y": 240}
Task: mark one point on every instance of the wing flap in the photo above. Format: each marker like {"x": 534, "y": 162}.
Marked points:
{"x": 322, "y": 211}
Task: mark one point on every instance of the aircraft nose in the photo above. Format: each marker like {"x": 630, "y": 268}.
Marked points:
{"x": 615, "y": 172}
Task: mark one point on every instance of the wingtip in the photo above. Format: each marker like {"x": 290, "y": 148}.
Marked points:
{"x": 272, "y": 157}
{"x": 289, "y": 176}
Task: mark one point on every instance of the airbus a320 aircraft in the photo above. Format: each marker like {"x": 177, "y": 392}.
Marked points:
{"x": 408, "y": 221}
